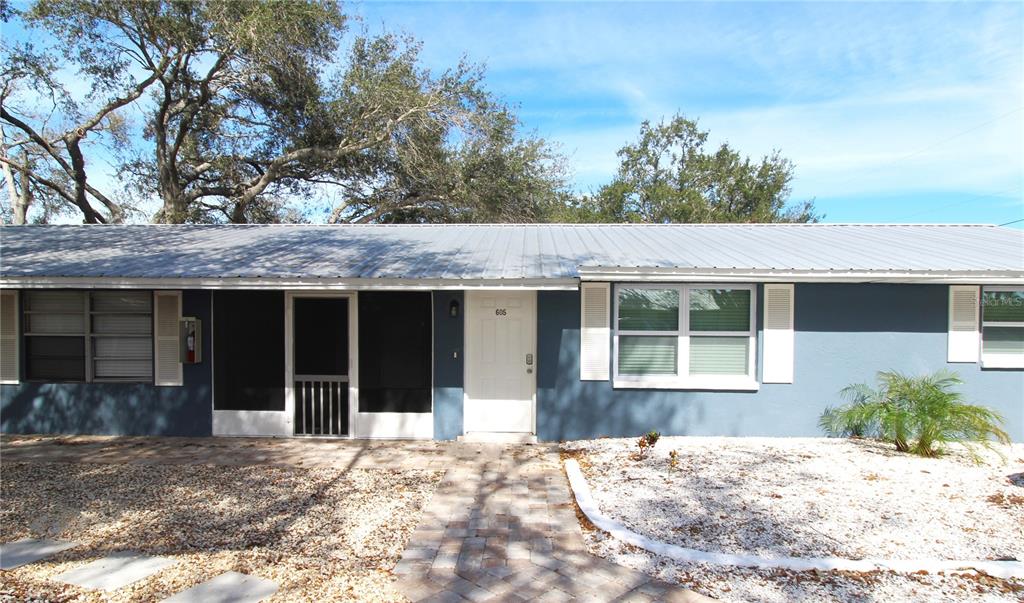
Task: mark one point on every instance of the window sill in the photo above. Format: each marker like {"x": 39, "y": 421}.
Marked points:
{"x": 1002, "y": 361}
{"x": 745, "y": 384}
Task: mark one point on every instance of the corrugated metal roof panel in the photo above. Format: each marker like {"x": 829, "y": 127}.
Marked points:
{"x": 493, "y": 251}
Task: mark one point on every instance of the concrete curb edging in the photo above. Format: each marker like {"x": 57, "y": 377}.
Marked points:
{"x": 580, "y": 489}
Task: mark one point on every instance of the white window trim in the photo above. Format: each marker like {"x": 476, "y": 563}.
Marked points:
{"x": 998, "y": 361}
{"x": 682, "y": 379}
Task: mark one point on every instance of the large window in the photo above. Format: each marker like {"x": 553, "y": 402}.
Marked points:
{"x": 1002, "y": 327}
{"x": 685, "y": 336}
{"x": 89, "y": 336}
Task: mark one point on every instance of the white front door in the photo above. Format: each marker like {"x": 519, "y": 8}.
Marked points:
{"x": 501, "y": 366}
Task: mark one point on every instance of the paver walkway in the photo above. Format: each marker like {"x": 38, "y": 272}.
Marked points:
{"x": 502, "y": 527}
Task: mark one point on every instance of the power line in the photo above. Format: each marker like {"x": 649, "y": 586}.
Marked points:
{"x": 970, "y": 198}
{"x": 957, "y": 135}
{"x": 1013, "y": 222}
{"x": 931, "y": 146}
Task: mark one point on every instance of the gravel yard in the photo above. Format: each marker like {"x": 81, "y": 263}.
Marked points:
{"x": 809, "y": 497}
{"x": 320, "y": 533}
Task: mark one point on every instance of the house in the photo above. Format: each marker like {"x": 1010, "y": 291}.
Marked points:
{"x": 494, "y": 331}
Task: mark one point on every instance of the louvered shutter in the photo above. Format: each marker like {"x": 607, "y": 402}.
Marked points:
{"x": 8, "y": 336}
{"x": 778, "y": 334}
{"x": 595, "y": 341}
{"x": 964, "y": 336}
{"x": 167, "y": 363}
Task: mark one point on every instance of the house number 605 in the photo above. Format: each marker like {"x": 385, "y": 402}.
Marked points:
{"x": 500, "y": 312}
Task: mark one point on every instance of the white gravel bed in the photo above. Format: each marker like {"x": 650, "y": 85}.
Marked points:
{"x": 806, "y": 497}
{"x": 746, "y": 585}
{"x": 320, "y": 533}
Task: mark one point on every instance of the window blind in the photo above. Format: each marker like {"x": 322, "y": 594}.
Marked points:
{"x": 122, "y": 335}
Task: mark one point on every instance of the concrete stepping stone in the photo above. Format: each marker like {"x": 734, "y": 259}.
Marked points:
{"x": 115, "y": 571}
{"x": 20, "y": 552}
{"x": 231, "y": 587}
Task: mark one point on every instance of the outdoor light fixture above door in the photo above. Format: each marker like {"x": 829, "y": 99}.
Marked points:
{"x": 453, "y": 308}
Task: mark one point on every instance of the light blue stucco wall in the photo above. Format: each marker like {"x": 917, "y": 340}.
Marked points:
{"x": 118, "y": 408}
{"x": 448, "y": 347}
{"x": 845, "y": 333}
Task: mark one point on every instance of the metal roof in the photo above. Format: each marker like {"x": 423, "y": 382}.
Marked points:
{"x": 500, "y": 252}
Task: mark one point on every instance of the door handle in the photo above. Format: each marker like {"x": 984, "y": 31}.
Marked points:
{"x": 529, "y": 360}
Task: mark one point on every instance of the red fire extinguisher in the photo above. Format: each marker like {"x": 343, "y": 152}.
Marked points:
{"x": 190, "y": 345}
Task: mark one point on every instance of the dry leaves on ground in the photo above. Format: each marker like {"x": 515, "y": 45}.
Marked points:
{"x": 320, "y": 533}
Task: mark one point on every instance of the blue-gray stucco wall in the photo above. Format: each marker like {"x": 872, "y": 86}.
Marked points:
{"x": 448, "y": 333}
{"x": 119, "y": 408}
{"x": 845, "y": 333}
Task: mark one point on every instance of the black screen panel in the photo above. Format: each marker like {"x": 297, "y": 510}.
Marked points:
{"x": 248, "y": 350}
{"x": 321, "y": 336}
{"x": 55, "y": 358}
{"x": 395, "y": 348}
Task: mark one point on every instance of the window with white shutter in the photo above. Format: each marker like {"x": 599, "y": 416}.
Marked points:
{"x": 963, "y": 341}
{"x": 88, "y": 335}
{"x": 594, "y": 331}
{"x": 9, "y": 370}
{"x": 167, "y": 361}
{"x": 674, "y": 336}
{"x": 777, "y": 355}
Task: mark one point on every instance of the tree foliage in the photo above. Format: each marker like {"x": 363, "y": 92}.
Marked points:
{"x": 276, "y": 110}
{"x": 669, "y": 175}
{"x": 246, "y": 106}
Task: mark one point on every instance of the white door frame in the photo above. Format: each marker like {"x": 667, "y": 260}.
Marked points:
{"x": 361, "y": 425}
{"x": 289, "y": 357}
{"x": 468, "y": 338}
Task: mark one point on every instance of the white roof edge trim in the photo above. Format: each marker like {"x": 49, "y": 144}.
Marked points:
{"x": 301, "y": 284}
{"x": 975, "y": 277}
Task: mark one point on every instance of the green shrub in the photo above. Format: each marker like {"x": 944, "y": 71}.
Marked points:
{"x": 917, "y": 414}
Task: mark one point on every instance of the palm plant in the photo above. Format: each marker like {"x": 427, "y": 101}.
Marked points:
{"x": 918, "y": 414}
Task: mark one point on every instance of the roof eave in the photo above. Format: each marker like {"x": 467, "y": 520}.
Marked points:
{"x": 772, "y": 275}
{"x": 290, "y": 284}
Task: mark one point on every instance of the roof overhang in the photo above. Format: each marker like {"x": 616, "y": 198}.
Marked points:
{"x": 291, "y": 284}
{"x": 587, "y": 274}
{"x": 731, "y": 275}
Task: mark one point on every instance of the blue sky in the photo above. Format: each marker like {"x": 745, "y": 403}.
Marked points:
{"x": 892, "y": 112}
{"x": 908, "y": 112}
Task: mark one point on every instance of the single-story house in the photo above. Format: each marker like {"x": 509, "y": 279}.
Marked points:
{"x": 516, "y": 332}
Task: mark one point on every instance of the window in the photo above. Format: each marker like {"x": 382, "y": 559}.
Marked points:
{"x": 685, "y": 336}
{"x": 121, "y": 335}
{"x": 89, "y": 336}
{"x": 1002, "y": 327}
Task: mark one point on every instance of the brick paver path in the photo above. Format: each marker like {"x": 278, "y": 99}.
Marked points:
{"x": 502, "y": 527}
